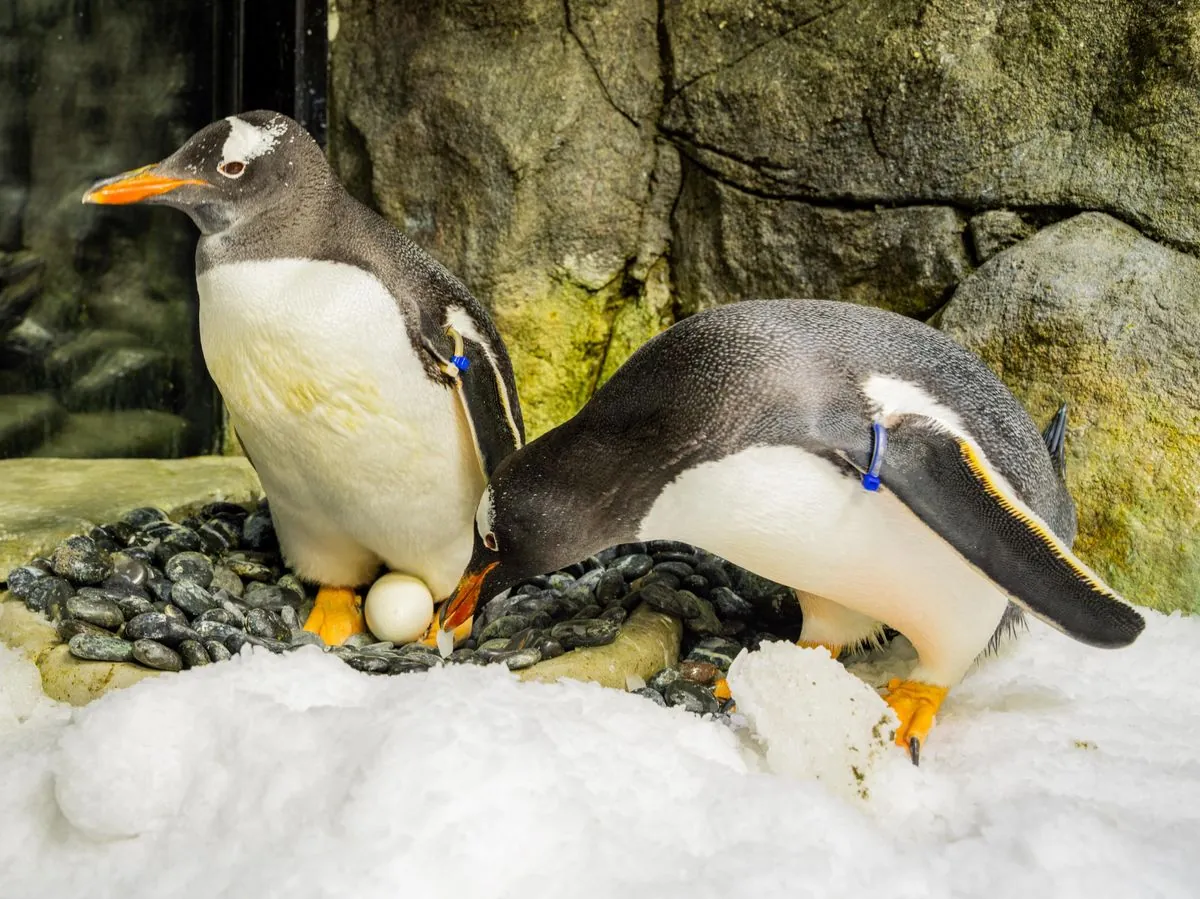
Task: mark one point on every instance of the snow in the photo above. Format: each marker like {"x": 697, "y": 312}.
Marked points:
{"x": 1055, "y": 770}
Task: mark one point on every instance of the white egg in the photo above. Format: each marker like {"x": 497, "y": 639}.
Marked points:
{"x": 399, "y": 608}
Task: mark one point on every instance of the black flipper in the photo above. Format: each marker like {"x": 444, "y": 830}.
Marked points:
{"x": 484, "y": 395}
{"x": 948, "y": 483}
{"x": 1055, "y": 437}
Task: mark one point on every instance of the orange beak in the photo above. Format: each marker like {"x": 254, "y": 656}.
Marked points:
{"x": 135, "y": 186}
{"x": 461, "y": 605}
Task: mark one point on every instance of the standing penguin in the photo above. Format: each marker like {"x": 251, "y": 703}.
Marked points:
{"x": 370, "y": 390}
{"x": 862, "y": 458}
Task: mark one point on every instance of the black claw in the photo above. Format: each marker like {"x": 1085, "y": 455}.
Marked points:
{"x": 1055, "y": 437}
{"x": 914, "y": 750}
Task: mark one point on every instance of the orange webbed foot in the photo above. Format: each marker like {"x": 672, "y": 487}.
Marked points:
{"x": 337, "y": 615}
{"x": 915, "y": 704}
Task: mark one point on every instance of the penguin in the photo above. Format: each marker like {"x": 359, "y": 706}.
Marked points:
{"x": 369, "y": 389}
{"x": 857, "y": 456}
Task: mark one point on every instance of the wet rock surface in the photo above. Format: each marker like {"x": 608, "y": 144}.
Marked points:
{"x": 174, "y": 595}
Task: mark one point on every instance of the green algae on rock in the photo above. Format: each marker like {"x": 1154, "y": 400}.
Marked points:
{"x": 1090, "y": 312}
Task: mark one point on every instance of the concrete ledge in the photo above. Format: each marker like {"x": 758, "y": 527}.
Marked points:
{"x": 44, "y": 500}
{"x": 64, "y": 677}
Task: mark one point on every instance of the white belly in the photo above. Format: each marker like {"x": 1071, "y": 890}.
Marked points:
{"x": 794, "y": 518}
{"x": 362, "y": 456}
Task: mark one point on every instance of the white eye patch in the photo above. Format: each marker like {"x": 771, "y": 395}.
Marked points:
{"x": 246, "y": 141}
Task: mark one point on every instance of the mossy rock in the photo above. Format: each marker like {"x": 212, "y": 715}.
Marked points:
{"x": 1092, "y": 313}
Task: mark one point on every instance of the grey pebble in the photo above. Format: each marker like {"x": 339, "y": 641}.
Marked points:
{"x": 69, "y": 627}
{"x": 301, "y": 637}
{"x": 610, "y": 588}
{"x": 246, "y": 568}
{"x": 523, "y": 658}
{"x": 189, "y": 568}
{"x": 79, "y": 559}
{"x": 651, "y": 694}
{"x": 265, "y": 623}
{"x": 192, "y": 598}
{"x": 632, "y": 567}
{"x": 357, "y": 641}
{"x": 129, "y": 568}
{"x": 729, "y": 604}
{"x": 20, "y": 579}
{"x": 217, "y": 651}
{"x": 143, "y": 516}
{"x": 42, "y": 594}
{"x": 663, "y": 679}
{"x": 100, "y": 648}
{"x": 100, "y": 612}
{"x": 153, "y": 654}
{"x": 504, "y": 626}
{"x": 691, "y": 697}
{"x": 590, "y": 632}
{"x": 193, "y": 653}
{"x": 369, "y": 662}
{"x": 550, "y": 649}
{"x": 224, "y": 579}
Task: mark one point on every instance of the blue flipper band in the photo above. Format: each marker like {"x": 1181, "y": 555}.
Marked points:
{"x": 462, "y": 363}
{"x": 870, "y": 480}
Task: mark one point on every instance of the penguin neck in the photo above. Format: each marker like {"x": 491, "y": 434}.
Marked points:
{"x": 276, "y": 231}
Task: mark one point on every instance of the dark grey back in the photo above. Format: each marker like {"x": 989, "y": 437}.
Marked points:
{"x": 781, "y": 372}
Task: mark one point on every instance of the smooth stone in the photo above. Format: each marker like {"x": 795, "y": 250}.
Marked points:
{"x": 523, "y": 658}
{"x": 560, "y": 581}
{"x": 662, "y": 598}
{"x": 550, "y": 649}
{"x": 189, "y": 568}
{"x": 693, "y": 583}
{"x": 691, "y": 698}
{"x": 524, "y": 638}
{"x": 679, "y": 569}
{"x": 369, "y": 663}
{"x": 248, "y": 569}
{"x": 217, "y": 651}
{"x": 292, "y": 584}
{"x": 265, "y": 623}
{"x": 21, "y": 579}
{"x": 716, "y": 659}
{"x": 613, "y": 613}
{"x": 541, "y": 602}
{"x": 610, "y": 587}
{"x": 591, "y": 578}
{"x": 665, "y": 578}
{"x": 589, "y": 611}
{"x": 237, "y": 610}
{"x": 143, "y": 516}
{"x": 358, "y": 641}
{"x": 224, "y": 579}
{"x": 100, "y": 612}
{"x": 69, "y": 627}
{"x": 269, "y": 597}
{"x": 703, "y": 673}
{"x": 104, "y": 540}
{"x": 213, "y": 540}
{"x": 713, "y": 572}
{"x": 175, "y": 613}
{"x": 258, "y": 531}
{"x": 221, "y": 508}
{"x": 48, "y": 593}
{"x": 155, "y": 655}
{"x": 590, "y": 632}
{"x": 80, "y": 560}
{"x": 301, "y": 637}
{"x": 500, "y": 644}
{"x": 651, "y": 694}
{"x": 224, "y": 616}
{"x": 289, "y": 617}
{"x": 459, "y": 656}
{"x": 632, "y": 567}
{"x": 194, "y": 654}
{"x": 663, "y": 679}
{"x": 701, "y": 618}
{"x": 159, "y": 587}
{"x": 100, "y": 648}
{"x": 729, "y": 604}
{"x": 192, "y": 598}
{"x": 160, "y": 626}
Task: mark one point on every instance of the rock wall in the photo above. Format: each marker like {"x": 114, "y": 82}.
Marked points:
{"x": 595, "y": 170}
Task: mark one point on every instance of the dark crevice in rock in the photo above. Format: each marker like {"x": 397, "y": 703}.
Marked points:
{"x": 804, "y": 23}
{"x": 592, "y": 65}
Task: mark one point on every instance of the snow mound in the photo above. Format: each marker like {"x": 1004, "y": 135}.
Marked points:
{"x": 1054, "y": 770}
{"x": 813, "y": 718}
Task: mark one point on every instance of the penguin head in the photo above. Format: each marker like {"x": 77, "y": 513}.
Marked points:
{"x": 225, "y": 174}
{"x": 532, "y": 519}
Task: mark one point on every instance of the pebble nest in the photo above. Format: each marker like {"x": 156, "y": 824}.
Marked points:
{"x": 175, "y": 595}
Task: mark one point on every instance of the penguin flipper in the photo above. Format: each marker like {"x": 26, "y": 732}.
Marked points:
{"x": 948, "y": 482}
{"x": 483, "y": 394}
{"x": 1055, "y": 438}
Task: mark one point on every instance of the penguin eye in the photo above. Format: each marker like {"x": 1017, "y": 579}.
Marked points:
{"x": 489, "y": 540}
{"x": 231, "y": 169}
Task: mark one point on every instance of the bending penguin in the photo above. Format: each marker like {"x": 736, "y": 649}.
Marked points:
{"x": 861, "y": 458}
{"x": 370, "y": 390}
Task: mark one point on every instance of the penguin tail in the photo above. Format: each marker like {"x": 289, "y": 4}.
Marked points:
{"x": 946, "y": 480}
{"x": 1055, "y": 438}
